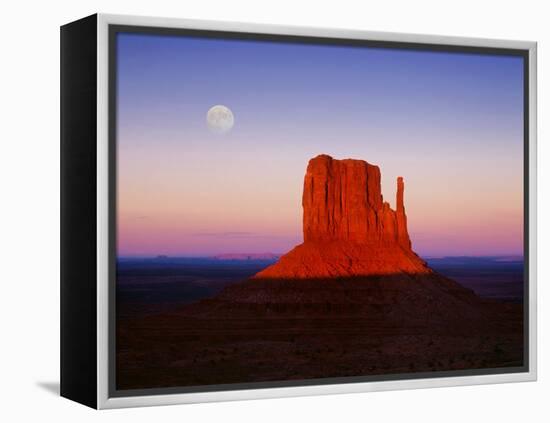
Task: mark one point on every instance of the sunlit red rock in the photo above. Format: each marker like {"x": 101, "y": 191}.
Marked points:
{"x": 348, "y": 228}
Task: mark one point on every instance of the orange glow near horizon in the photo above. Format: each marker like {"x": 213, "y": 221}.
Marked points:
{"x": 233, "y": 208}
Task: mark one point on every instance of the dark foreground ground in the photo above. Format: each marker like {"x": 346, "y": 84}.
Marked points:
{"x": 175, "y": 326}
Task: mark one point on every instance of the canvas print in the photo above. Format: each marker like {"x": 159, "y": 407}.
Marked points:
{"x": 297, "y": 211}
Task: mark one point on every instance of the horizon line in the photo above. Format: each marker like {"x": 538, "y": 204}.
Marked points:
{"x": 428, "y": 256}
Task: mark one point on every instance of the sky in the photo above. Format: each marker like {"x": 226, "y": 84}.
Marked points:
{"x": 450, "y": 123}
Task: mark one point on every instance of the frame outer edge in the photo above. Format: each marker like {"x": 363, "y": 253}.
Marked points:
{"x": 103, "y": 400}
{"x": 533, "y": 169}
{"x": 312, "y": 31}
{"x": 102, "y": 213}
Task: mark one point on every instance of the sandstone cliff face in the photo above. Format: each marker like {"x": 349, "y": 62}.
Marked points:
{"x": 342, "y": 201}
{"x": 348, "y": 228}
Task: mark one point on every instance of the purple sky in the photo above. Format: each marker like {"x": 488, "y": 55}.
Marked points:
{"x": 450, "y": 123}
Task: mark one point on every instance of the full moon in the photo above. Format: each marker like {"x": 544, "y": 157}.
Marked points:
{"x": 220, "y": 119}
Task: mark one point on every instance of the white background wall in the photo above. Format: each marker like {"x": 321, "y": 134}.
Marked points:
{"x": 29, "y": 235}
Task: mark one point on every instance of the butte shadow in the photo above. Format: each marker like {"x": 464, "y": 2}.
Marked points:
{"x": 352, "y": 300}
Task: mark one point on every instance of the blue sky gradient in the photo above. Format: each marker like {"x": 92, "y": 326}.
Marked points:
{"x": 450, "y": 123}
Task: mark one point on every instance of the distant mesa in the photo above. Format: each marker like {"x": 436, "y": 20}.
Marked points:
{"x": 349, "y": 230}
{"x": 246, "y": 256}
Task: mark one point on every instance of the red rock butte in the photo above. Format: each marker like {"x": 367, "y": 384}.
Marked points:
{"x": 349, "y": 230}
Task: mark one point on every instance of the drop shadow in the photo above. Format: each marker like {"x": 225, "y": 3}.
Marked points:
{"x": 51, "y": 387}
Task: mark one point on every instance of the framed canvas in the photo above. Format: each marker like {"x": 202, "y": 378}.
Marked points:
{"x": 254, "y": 211}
